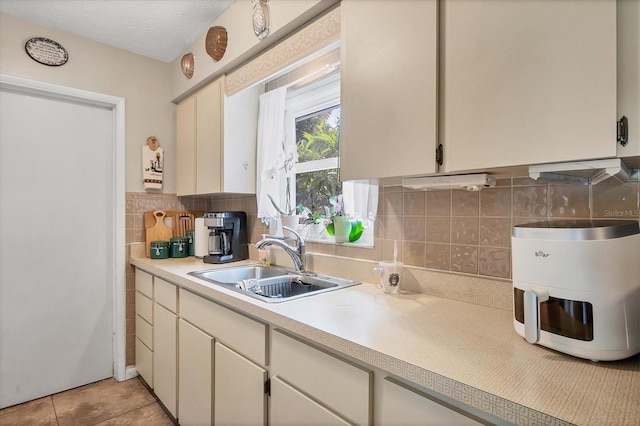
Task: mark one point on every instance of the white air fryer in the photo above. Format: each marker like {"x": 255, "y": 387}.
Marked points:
{"x": 576, "y": 287}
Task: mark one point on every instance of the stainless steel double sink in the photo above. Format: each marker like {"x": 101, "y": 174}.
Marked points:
{"x": 273, "y": 284}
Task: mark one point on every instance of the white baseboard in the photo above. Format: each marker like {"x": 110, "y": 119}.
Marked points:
{"x": 130, "y": 372}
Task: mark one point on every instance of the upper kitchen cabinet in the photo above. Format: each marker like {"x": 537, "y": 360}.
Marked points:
{"x": 525, "y": 82}
{"x": 388, "y": 88}
{"x": 629, "y": 74}
{"x": 216, "y": 145}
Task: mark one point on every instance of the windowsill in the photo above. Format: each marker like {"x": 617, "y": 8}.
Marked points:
{"x": 318, "y": 234}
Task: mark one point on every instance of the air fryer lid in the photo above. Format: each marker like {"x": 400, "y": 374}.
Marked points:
{"x": 577, "y": 229}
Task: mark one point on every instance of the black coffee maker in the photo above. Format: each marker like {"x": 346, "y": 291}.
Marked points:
{"x": 227, "y": 237}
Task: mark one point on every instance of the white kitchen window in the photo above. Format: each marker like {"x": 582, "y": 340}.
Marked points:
{"x": 312, "y": 122}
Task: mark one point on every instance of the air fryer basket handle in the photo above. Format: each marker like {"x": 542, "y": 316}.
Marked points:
{"x": 532, "y": 300}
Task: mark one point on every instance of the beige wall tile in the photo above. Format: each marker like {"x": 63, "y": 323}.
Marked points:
{"x": 392, "y": 227}
{"x": 414, "y": 228}
{"x": 495, "y": 202}
{"x": 438, "y": 229}
{"x": 530, "y": 201}
{"x": 439, "y": 203}
{"x": 464, "y": 258}
{"x": 464, "y": 230}
{"x": 438, "y": 256}
{"x": 392, "y": 203}
{"x": 495, "y": 232}
{"x": 465, "y": 203}
{"x": 414, "y": 253}
{"x": 414, "y": 203}
{"x": 494, "y": 262}
{"x": 569, "y": 201}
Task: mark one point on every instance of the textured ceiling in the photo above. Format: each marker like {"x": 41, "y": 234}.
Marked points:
{"x": 159, "y": 29}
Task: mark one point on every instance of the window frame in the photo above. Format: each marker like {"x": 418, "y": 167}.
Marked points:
{"x": 299, "y": 104}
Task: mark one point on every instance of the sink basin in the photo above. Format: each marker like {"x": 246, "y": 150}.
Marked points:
{"x": 273, "y": 284}
{"x": 234, "y": 274}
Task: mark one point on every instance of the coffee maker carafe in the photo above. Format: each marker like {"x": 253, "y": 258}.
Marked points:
{"x": 227, "y": 237}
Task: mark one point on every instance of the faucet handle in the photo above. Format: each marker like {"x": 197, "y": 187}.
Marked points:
{"x": 294, "y": 232}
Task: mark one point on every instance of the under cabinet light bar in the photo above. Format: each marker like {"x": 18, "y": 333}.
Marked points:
{"x": 473, "y": 182}
{"x": 586, "y": 172}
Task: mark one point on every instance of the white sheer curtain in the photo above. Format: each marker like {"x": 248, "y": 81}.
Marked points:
{"x": 270, "y": 153}
{"x": 360, "y": 201}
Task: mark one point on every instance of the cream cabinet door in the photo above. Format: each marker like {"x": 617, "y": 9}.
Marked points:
{"x": 165, "y": 365}
{"x": 144, "y": 362}
{"x": 186, "y": 147}
{"x": 528, "y": 81}
{"x": 404, "y": 406}
{"x": 209, "y": 131}
{"x": 629, "y": 74}
{"x": 240, "y": 396}
{"x": 195, "y": 370}
{"x": 199, "y": 146}
{"x": 291, "y": 407}
{"x": 388, "y": 76}
{"x": 343, "y": 387}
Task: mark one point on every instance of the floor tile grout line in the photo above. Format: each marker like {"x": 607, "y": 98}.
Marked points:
{"x": 124, "y": 414}
{"x": 54, "y": 410}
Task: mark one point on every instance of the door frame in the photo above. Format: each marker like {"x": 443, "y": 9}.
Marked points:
{"x": 117, "y": 107}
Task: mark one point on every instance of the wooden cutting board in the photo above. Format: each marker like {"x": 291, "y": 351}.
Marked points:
{"x": 157, "y": 230}
{"x": 181, "y": 220}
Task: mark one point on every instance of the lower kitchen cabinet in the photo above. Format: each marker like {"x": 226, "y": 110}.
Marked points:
{"x": 343, "y": 388}
{"x": 222, "y": 358}
{"x": 240, "y": 396}
{"x": 165, "y": 375}
{"x": 195, "y": 369}
{"x": 144, "y": 326}
{"x": 305, "y": 410}
{"x": 401, "y": 405}
{"x": 207, "y": 364}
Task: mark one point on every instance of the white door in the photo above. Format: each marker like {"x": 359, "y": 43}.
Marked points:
{"x": 56, "y": 245}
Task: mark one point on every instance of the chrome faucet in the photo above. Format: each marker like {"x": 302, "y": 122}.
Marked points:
{"x": 296, "y": 253}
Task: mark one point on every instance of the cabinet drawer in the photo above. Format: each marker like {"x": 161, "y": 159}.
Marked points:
{"x": 402, "y": 405}
{"x": 144, "y": 331}
{"x": 144, "y": 362}
{"x": 144, "y": 283}
{"x": 166, "y": 294}
{"x": 240, "y": 333}
{"x": 144, "y": 307}
{"x": 342, "y": 386}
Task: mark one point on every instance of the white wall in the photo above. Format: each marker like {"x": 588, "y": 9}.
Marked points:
{"x": 145, "y": 84}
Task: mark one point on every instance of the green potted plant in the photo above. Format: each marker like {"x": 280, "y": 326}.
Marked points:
{"x": 340, "y": 226}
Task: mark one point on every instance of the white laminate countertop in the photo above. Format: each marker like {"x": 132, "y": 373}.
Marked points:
{"x": 467, "y": 352}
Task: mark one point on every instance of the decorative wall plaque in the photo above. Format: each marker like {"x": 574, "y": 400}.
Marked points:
{"x": 46, "y": 51}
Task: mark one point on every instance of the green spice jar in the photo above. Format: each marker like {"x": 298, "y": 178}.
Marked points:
{"x": 159, "y": 250}
{"x": 179, "y": 247}
{"x": 192, "y": 245}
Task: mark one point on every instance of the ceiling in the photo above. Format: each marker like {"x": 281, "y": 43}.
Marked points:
{"x": 159, "y": 29}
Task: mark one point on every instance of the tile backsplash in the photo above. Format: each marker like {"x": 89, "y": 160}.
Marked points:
{"x": 462, "y": 231}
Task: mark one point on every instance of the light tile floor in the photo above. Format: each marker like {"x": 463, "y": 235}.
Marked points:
{"x": 105, "y": 403}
